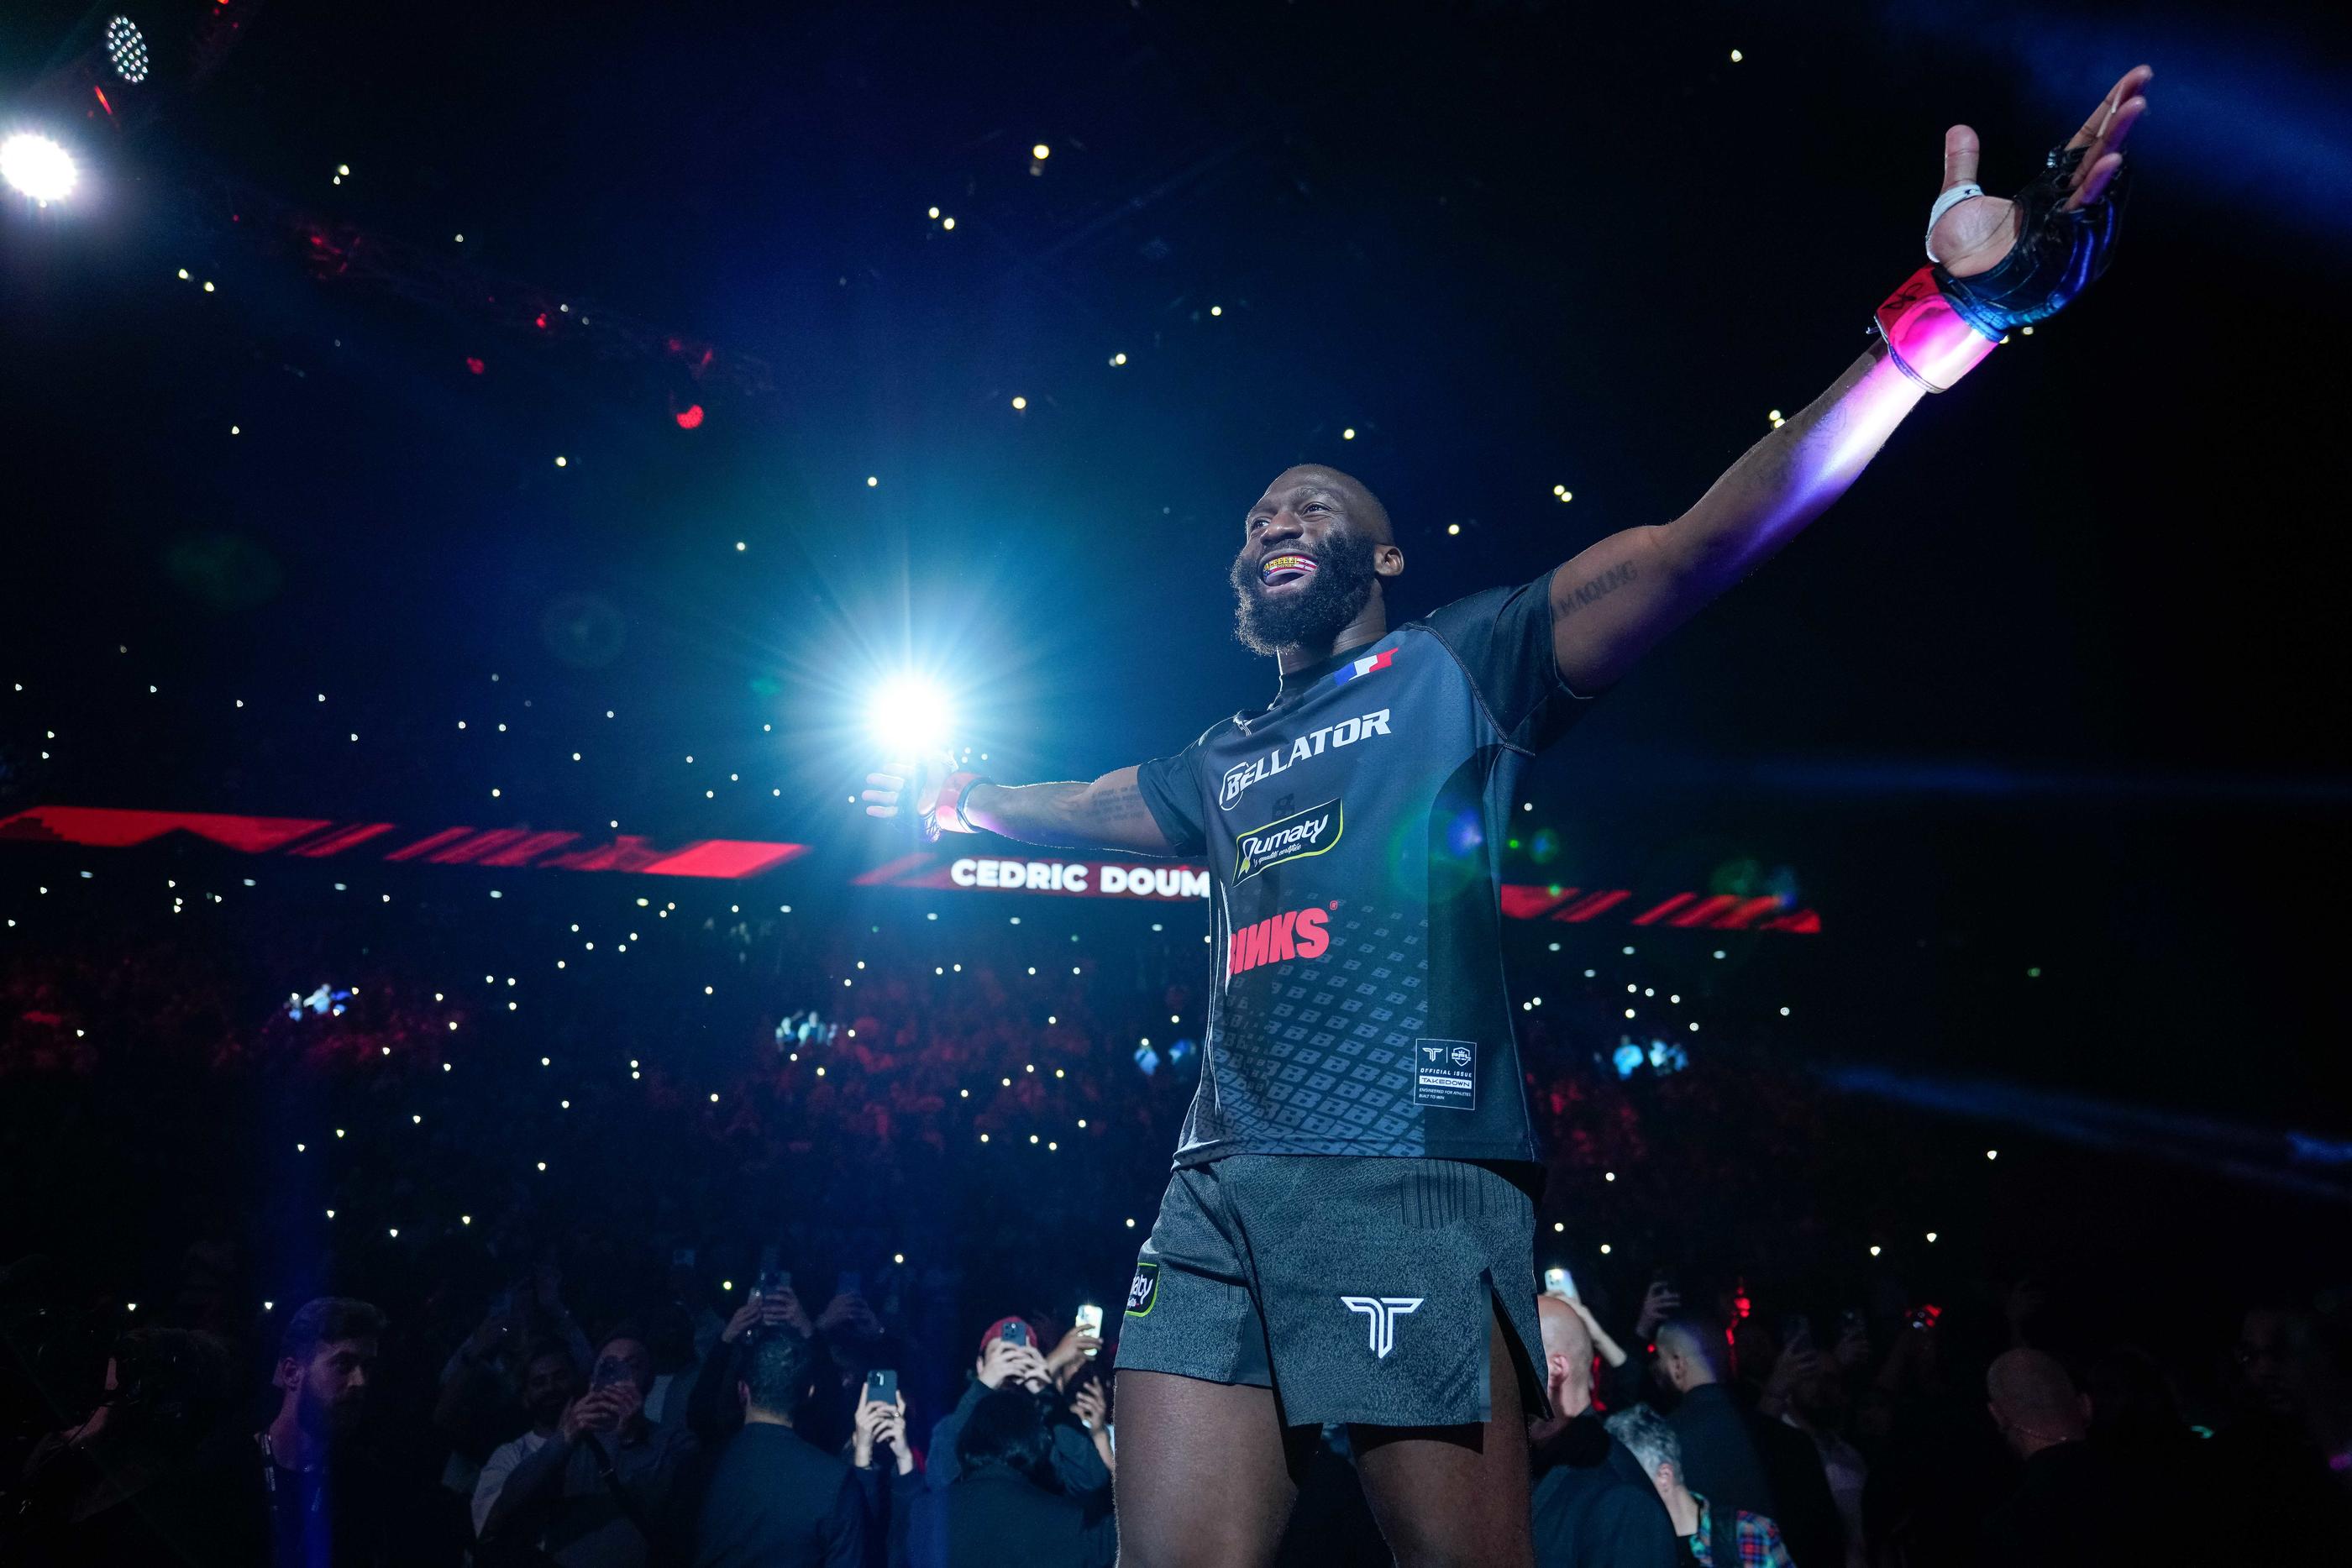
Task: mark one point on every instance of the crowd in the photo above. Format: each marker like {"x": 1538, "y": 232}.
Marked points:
{"x": 798, "y": 1270}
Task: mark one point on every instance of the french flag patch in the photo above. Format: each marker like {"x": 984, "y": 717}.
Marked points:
{"x": 1365, "y": 667}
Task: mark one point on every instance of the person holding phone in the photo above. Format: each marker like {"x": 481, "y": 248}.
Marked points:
{"x": 774, "y": 1499}
{"x": 1009, "y": 1358}
{"x": 600, "y": 1486}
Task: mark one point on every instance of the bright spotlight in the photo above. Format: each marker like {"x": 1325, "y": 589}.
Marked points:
{"x": 36, "y": 166}
{"x": 910, "y": 716}
{"x": 126, "y": 49}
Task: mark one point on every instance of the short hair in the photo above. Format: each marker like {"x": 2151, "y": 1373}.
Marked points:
{"x": 2033, "y": 1391}
{"x": 183, "y": 1377}
{"x": 776, "y": 1370}
{"x": 1007, "y": 1428}
{"x": 1697, "y": 1335}
{"x": 328, "y": 1320}
{"x": 1643, "y": 1433}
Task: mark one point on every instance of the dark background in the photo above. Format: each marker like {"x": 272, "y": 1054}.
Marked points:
{"x": 2058, "y": 687}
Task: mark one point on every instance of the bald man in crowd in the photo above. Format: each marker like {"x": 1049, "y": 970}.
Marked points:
{"x": 1593, "y": 1507}
{"x": 2069, "y": 1506}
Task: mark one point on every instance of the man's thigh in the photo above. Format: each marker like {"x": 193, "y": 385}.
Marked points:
{"x": 1204, "y": 1477}
{"x": 1454, "y": 1496}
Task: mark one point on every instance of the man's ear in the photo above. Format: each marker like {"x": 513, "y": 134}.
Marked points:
{"x": 1387, "y": 560}
{"x": 1555, "y": 1367}
{"x": 288, "y": 1376}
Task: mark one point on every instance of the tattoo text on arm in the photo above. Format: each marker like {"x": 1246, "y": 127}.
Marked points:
{"x": 1601, "y": 587}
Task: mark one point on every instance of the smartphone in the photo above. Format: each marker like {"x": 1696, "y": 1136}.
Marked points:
{"x": 851, "y": 1283}
{"x": 1559, "y": 1282}
{"x": 1090, "y": 1321}
{"x": 609, "y": 1373}
{"x": 772, "y": 1282}
{"x": 1015, "y": 1332}
{"x": 882, "y": 1387}
{"x": 1796, "y": 1332}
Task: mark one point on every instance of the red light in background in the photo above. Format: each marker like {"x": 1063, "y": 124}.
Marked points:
{"x": 102, "y": 99}
{"x": 540, "y": 321}
{"x": 473, "y": 364}
{"x": 689, "y": 417}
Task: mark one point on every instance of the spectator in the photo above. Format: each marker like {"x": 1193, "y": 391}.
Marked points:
{"x": 550, "y": 1381}
{"x": 1002, "y": 1509}
{"x": 2070, "y": 1506}
{"x": 1717, "y": 1536}
{"x": 482, "y": 1382}
{"x": 1588, "y": 1513}
{"x": 149, "y": 1476}
{"x": 1712, "y": 1433}
{"x": 774, "y": 1501}
{"x": 331, "y": 1499}
{"x": 888, "y": 1487}
{"x": 1078, "y": 1464}
{"x": 592, "y": 1497}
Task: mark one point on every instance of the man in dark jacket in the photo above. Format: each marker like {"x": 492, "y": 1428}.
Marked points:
{"x": 1000, "y": 1511}
{"x": 774, "y": 1501}
{"x": 1718, "y": 1452}
{"x": 1588, "y": 1512}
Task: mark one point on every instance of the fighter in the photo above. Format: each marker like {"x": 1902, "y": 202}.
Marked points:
{"x": 1348, "y": 1233}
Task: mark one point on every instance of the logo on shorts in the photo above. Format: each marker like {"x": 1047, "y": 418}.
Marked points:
{"x": 1143, "y": 1293}
{"x": 1383, "y": 1310}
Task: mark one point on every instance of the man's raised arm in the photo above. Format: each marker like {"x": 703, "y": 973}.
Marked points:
{"x": 1996, "y": 263}
{"x": 1107, "y": 814}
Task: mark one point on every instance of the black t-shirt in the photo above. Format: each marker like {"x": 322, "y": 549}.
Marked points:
{"x": 1351, "y": 831}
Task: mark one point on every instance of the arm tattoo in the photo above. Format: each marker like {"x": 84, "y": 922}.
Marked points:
{"x": 1601, "y": 587}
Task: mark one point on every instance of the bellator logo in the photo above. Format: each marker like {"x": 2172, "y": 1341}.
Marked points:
{"x": 1347, "y": 732}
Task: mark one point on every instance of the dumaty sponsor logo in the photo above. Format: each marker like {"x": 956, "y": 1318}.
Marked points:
{"x": 1295, "y": 837}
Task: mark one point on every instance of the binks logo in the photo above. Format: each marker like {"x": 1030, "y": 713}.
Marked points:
{"x": 1292, "y": 838}
{"x": 1294, "y": 933}
{"x": 1347, "y": 732}
{"x": 1383, "y": 1310}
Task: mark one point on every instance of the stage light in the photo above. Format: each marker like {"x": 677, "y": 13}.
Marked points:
{"x": 126, "y": 49}
{"x": 1041, "y": 152}
{"x": 1020, "y": 403}
{"x": 910, "y": 716}
{"x": 1736, "y": 58}
{"x": 1349, "y": 433}
{"x": 37, "y": 167}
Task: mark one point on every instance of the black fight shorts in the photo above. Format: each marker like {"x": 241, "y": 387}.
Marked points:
{"x": 1357, "y": 1289}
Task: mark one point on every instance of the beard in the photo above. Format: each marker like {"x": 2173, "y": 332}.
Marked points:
{"x": 1334, "y": 594}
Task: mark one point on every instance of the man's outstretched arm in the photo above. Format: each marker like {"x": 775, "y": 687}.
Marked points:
{"x": 2001, "y": 261}
{"x": 1107, "y": 814}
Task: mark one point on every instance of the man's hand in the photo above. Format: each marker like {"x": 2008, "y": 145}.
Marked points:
{"x": 1004, "y": 1359}
{"x": 1071, "y": 1354}
{"x": 1792, "y": 1371}
{"x": 1088, "y": 1405}
{"x": 1662, "y": 1302}
{"x": 848, "y": 1310}
{"x": 907, "y": 787}
{"x": 595, "y": 1411}
{"x": 1974, "y": 236}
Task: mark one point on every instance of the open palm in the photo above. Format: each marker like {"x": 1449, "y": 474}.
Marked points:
{"x": 1975, "y": 234}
